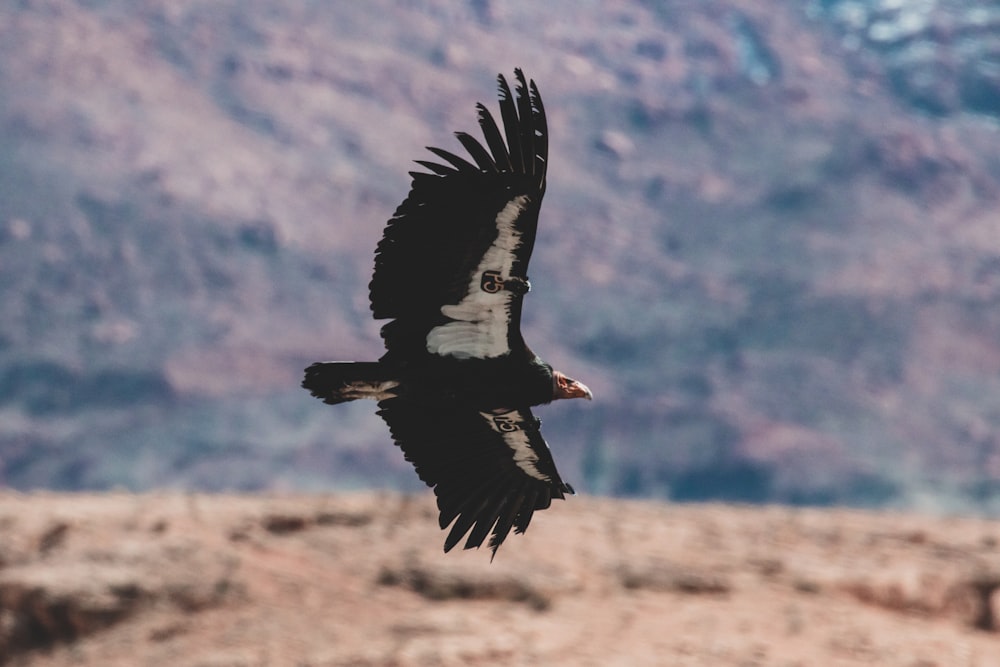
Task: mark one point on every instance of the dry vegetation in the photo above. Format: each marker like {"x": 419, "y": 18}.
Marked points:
{"x": 359, "y": 580}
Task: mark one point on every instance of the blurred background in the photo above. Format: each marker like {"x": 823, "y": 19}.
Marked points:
{"x": 770, "y": 242}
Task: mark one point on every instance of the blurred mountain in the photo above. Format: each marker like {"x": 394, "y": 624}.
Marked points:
{"x": 769, "y": 243}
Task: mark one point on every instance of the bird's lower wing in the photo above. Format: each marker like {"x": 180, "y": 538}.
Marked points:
{"x": 490, "y": 469}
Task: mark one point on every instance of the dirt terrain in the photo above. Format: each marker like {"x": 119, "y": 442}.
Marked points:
{"x": 360, "y": 579}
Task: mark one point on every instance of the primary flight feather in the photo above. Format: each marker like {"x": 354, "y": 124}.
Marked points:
{"x": 457, "y": 381}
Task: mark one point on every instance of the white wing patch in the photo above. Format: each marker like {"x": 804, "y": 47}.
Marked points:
{"x": 511, "y": 427}
{"x": 479, "y": 322}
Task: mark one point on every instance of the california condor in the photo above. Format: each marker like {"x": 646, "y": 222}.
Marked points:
{"x": 457, "y": 381}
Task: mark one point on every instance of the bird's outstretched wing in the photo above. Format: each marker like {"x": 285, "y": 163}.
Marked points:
{"x": 451, "y": 268}
{"x": 490, "y": 470}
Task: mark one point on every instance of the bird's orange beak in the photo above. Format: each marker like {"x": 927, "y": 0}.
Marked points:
{"x": 567, "y": 387}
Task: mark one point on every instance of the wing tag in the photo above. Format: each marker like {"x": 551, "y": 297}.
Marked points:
{"x": 505, "y": 424}
{"x": 492, "y": 282}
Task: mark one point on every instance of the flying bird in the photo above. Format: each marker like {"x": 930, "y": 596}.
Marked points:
{"x": 457, "y": 381}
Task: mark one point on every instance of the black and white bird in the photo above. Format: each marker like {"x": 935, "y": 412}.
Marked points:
{"x": 457, "y": 382}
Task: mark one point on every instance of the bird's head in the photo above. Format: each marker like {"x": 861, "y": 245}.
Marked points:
{"x": 567, "y": 387}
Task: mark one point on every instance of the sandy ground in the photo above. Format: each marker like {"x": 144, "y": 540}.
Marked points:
{"x": 232, "y": 581}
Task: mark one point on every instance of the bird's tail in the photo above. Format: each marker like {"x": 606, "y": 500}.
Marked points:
{"x": 340, "y": 381}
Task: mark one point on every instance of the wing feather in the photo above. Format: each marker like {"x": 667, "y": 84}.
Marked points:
{"x": 461, "y": 164}
{"x": 511, "y": 125}
{"x": 472, "y": 511}
{"x": 526, "y": 126}
{"x": 505, "y": 519}
{"x": 541, "y": 133}
{"x": 493, "y": 138}
{"x": 438, "y": 169}
{"x": 486, "y": 520}
{"x": 522, "y": 519}
{"x": 486, "y": 162}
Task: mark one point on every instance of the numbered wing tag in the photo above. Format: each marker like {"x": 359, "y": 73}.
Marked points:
{"x": 492, "y": 282}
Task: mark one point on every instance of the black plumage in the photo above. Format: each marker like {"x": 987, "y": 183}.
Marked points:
{"x": 457, "y": 381}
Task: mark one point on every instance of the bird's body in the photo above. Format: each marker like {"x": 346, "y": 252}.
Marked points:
{"x": 457, "y": 381}
{"x": 491, "y": 383}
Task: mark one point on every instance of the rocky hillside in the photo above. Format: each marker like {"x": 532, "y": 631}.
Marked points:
{"x": 135, "y": 580}
{"x": 769, "y": 242}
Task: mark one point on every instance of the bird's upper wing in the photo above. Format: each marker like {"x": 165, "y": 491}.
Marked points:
{"x": 451, "y": 268}
{"x": 490, "y": 470}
